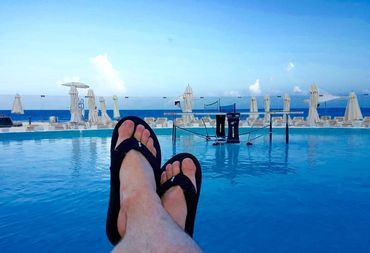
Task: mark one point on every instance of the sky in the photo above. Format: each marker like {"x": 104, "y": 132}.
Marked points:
{"x": 156, "y": 48}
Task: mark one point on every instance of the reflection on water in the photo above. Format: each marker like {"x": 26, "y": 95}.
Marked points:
{"x": 93, "y": 151}
{"x": 312, "y": 142}
{"x": 234, "y": 160}
{"x": 76, "y": 157}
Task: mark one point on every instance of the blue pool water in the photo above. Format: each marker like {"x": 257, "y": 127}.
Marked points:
{"x": 309, "y": 196}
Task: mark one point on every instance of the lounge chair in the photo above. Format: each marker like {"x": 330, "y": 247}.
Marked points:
{"x": 259, "y": 123}
{"x": 277, "y": 121}
{"x": 149, "y": 120}
{"x": 161, "y": 122}
{"x": 298, "y": 121}
{"x": 366, "y": 122}
{"x": 58, "y": 126}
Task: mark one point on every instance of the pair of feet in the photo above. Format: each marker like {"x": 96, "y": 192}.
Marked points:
{"x": 173, "y": 200}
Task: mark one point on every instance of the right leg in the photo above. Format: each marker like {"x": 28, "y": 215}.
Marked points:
{"x": 146, "y": 226}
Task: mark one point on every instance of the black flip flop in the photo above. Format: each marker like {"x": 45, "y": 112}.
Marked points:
{"x": 191, "y": 194}
{"x": 117, "y": 156}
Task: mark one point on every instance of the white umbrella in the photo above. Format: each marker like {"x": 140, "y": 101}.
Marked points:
{"x": 313, "y": 116}
{"x": 17, "y": 105}
{"x": 286, "y": 106}
{"x": 103, "y": 108}
{"x": 93, "y": 113}
{"x": 267, "y": 104}
{"x": 76, "y": 84}
{"x": 253, "y": 108}
{"x": 353, "y": 111}
{"x": 76, "y": 111}
{"x": 323, "y": 98}
{"x": 116, "y": 114}
{"x": 188, "y": 104}
{"x": 327, "y": 97}
{"x": 76, "y": 116}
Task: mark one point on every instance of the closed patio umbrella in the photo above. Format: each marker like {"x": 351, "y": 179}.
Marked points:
{"x": 93, "y": 113}
{"x": 313, "y": 116}
{"x": 76, "y": 111}
{"x": 353, "y": 111}
{"x": 17, "y": 105}
{"x": 76, "y": 116}
{"x": 267, "y": 105}
{"x": 253, "y": 108}
{"x": 116, "y": 114}
{"x": 187, "y": 106}
{"x": 103, "y": 108}
{"x": 286, "y": 106}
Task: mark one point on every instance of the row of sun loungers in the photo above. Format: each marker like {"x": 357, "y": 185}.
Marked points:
{"x": 163, "y": 122}
{"x": 325, "y": 121}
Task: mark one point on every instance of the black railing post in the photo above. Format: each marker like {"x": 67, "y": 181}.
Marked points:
{"x": 287, "y": 129}
{"x": 174, "y": 133}
{"x": 270, "y": 127}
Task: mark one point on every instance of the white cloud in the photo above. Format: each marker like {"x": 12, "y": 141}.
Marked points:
{"x": 232, "y": 93}
{"x": 297, "y": 89}
{"x": 255, "y": 88}
{"x": 107, "y": 78}
{"x": 290, "y": 67}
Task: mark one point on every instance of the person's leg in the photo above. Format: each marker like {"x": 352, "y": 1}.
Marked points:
{"x": 173, "y": 200}
{"x": 146, "y": 226}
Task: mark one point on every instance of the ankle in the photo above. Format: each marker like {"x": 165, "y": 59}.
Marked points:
{"x": 136, "y": 173}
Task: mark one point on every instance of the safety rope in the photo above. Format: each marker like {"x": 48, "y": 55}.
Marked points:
{"x": 198, "y": 134}
{"x": 254, "y": 130}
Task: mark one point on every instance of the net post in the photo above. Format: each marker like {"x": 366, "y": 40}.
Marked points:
{"x": 174, "y": 133}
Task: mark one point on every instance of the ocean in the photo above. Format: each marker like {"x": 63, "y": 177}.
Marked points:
{"x": 64, "y": 115}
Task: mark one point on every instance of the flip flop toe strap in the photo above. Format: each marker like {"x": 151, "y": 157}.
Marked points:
{"x": 119, "y": 153}
{"x": 179, "y": 180}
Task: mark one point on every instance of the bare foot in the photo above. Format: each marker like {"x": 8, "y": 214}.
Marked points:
{"x": 133, "y": 175}
{"x": 173, "y": 200}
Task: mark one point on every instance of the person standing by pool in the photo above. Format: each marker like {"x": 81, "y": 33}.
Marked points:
{"x": 138, "y": 219}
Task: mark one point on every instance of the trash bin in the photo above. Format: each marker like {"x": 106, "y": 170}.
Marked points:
{"x": 233, "y": 127}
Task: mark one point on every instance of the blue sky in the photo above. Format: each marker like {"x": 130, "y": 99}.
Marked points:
{"x": 155, "y": 48}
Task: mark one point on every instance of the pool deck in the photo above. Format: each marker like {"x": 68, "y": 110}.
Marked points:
{"x": 45, "y": 130}
{"x": 46, "y": 126}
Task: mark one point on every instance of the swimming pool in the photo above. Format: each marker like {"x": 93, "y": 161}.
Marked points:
{"x": 309, "y": 196}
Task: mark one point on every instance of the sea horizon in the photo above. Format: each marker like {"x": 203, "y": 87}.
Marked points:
{"x": 64, "y": 115}
{"x": 46, "y": 102}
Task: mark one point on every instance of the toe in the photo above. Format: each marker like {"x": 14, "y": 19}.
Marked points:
{"x": 150, "y": 146}
{"x": 125, "y": 131}
{"x": 145, "y": 137}
{"x": 169, "y": 173}
{"x": 139, "y": 132}
{"x": 163, "y": 177}
{"x": 189, "y": 168}
{"x": 176, "y": 168}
